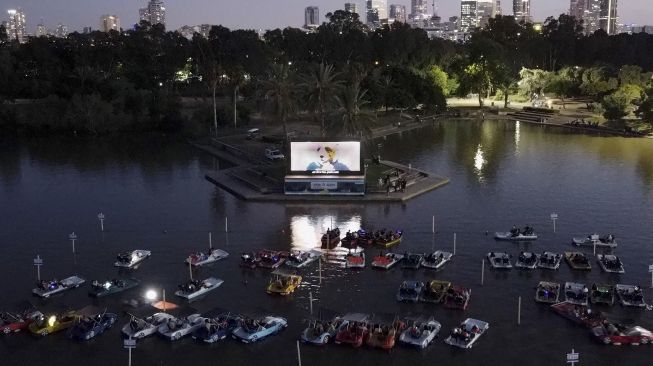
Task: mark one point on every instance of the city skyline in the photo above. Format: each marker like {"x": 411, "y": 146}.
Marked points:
{"x": 239, "y": 14}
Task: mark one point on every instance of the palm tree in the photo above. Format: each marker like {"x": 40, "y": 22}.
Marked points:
{"x": 321, "y": 87}
{"x": 280, "y": 92}
{"x": 355, "y": 120}
{"x": 386, "y": 85}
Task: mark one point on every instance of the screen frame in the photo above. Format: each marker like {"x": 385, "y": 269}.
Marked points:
{"x": 326, "y": 141}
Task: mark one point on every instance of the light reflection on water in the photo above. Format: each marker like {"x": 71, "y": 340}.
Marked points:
{"x": 479, "y": 162}
{"x": 306, "y": 231}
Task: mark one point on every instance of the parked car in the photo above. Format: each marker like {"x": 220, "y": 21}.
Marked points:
{"x": 274, "y": 154}
{"x": 253, "y": 133}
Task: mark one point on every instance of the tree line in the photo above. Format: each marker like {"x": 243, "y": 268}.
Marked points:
{"x": 341, "y": 75}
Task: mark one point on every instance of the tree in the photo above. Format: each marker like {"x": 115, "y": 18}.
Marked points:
{"x": 385, "y": 86}
{"x": 3, "y": 34}
{"x": 631, "y": 74}
{"x": 354, "y": 119}
{"x": 210, "y": 70}
{"x": 440, "y": 78}
{"x": 533, "y": 82}
{"x": 561, "y": 34}
{"x": 620, "y": 103}
{"x": 476, "y": 79}
{"x": 596, "y": 84}
{"x": 321, "y": 88}
{"x": 280, "y": 93}
{"x": 565, "y": 84}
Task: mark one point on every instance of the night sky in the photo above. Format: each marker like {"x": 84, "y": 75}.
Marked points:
{"x": 257, "y": 14}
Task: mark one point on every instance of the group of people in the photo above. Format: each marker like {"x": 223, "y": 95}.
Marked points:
{"x": 191, "y": 286}
{"x": 114, "y": 282}
{"x": 579, "y": 258}
{"x": 458, "y": 297}
{"x": 463, "y": 335}
{"x": 549, "y": 258}
{"x": 49, "y": 285}
{"x": 320, "y": 328}
{"x": 434, "y": 259}
{"x": 634, "y": 295}
{"x": 331, "y": 235}
{"x": 515, "y": 231}
{"x": 611, "y": 263}
{"x": 576, "y": 294}
{"x": 528, "y": 259}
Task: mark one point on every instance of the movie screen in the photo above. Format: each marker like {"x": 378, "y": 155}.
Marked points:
{"x": 325, "y": 157}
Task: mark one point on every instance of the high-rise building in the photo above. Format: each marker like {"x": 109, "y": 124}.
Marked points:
{"x": 419, "y": 9}
{"x": 61, "y": 31}
{"x": 154, "y": 13}
{"x": 522, "y": 10}
{"x": 577, "y": 8}
{"x": 468, "y": 15}
{"x": 497, "y": 8}
{"x": 41, "y": 31}
{"x": 608, "y": 16}
{"x": 87, "y": 30}
{"x": 398, "y": 13}
{"x": 476, "y": 13}
{"x": 377, "y": 12}
{"x": 595, "y": 14}
{"x": 351, "y": 7}
{"x": 485, "y": 9}
{"x": 16, "y": 25}
{"x": 311, "y": 17}
{"x": 109, "y": 23}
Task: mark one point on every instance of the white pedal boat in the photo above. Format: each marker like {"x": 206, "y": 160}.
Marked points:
{"x": 608, "y": 241}
{"x": 499, "y": 260}
{"x": 630, "y": 295}
{"x": 610, "y": 263}
{"x": 196, "y": 288}
{"x": 299, "y": 259}
{"x": 576, "y": 293}
{"x": 140, "y": 328}
{"x": 436, "y": 260}
{"x": 549, "y": 260}
{"x": 467, "y": 333}
{"x": 46, "y": 289}
{"x": 200, "y": 258}
{"x": 176, "y": 328}
{"x": 421, "y": 334}
{"x": 527, "y": 260}
{"x": 508, "y": 236}
{"x": 132, "y": 258}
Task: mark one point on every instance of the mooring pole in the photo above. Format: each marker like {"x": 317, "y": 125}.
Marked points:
{"x": 299, "y": 355}
{"x": 100, "y": 217}
{"x": 454, "y": 243}
{"x": 482, "y": 271}
{"x": 210, "y": 241}
{"x": 519, "y": 311}
{"x": 72, "y": 238}
{"x": 226, "y": 224}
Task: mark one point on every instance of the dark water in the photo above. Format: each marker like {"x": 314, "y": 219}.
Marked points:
{"x": 154, "y": 196}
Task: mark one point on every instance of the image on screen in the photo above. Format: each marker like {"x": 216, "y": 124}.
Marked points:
{"x": 325, "y": 157}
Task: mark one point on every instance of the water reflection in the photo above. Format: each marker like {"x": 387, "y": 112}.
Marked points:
{"x": 307, "y": 230}
{"x": 479, "y": 161}
{"x": 517, "y": 136}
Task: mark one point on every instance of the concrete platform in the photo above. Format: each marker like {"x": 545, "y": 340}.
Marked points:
{"x": 229, "y": 183}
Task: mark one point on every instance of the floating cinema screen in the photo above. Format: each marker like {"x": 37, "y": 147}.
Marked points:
{"x": 325, "y": 168}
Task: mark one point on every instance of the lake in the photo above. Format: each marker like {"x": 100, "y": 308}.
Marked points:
{"x": 154, "y": 196}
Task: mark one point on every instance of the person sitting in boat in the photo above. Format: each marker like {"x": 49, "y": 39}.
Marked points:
{"x": 514, "y": 231}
